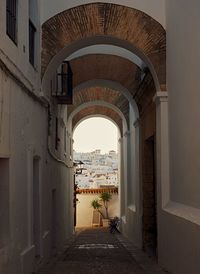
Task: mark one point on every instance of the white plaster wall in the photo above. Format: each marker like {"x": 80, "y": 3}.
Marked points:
{"x": 85, "y": 211}
{"x": 28, "y": 138}
{"x": 4, "y": 117}
{"x": 17, "y": 56}
{"x": 179, "y": 225}
{"x": 25, "y": 132}
{"x": 60, "y": 178}
{"x": 132, "y": 225}
{"x": 154, "y": 8}
{"x": 23, "y": 135}
{"x": 183, "y": 84}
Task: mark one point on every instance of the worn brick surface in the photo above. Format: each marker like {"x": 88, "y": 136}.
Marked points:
{"x": 102, "y": 19}
{"x": 97, "y": 110}
{"x": 107, "y": 67}
{"x": 103, "y": 94}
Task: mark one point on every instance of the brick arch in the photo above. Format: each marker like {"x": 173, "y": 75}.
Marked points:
{"x": 100, "y": 103}
{"x": 113, "y": 85}
{"x": 145, "y": 35}
{"x": 100, "y": 94}
{"x": 95, "y": 111}
{"x": 107, "y": 67}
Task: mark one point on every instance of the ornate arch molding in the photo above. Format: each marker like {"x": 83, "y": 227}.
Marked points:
{"x": 145, "y": 35}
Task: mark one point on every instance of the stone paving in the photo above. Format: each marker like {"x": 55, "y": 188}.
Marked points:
{"x": 95, "y": 250}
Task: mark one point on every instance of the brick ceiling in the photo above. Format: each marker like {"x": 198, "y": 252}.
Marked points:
{"x": 103, "y": 19}
{"x": 106, "y": 67}
{"x": 109, "y": 20}
{"x": 103, "y": 94}
{"x": 98, "y": 110}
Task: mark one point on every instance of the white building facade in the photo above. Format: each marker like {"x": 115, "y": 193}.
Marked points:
{"x": 157, "y": 139}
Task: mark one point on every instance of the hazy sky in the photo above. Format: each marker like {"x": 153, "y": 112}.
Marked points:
{"x": 95, "y": 133}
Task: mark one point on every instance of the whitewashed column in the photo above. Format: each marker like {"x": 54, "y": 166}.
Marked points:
{"x": 121, "y": 178}
{"x": 127, "y": 167}
{"x": 137, "y": 183}
{"x": 162, "y": 147}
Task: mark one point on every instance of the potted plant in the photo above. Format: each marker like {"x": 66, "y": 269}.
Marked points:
{"x": 97, "y": 204}
{"x": 105, "y": 198}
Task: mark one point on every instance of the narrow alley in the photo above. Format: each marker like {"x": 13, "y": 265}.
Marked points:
{"x": 134, "y": 63}
{"x": 95, "y": 250}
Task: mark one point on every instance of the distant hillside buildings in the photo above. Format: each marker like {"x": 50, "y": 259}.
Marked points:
{"x": 99, "y": 170}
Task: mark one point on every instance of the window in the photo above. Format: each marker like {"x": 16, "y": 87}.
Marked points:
{"x": 32, "y": 31}
{"x": 65, "y": 139}
{"x": 11, "y": 19}
{"x": 36, "y": 205}
{"x": 33, "y": 34}
{"x": 56, "y": 135}
{"x": 4, "y": 202}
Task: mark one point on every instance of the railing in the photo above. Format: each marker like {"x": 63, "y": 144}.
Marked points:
{"x": 32, "y": 31}
{"x": 62, "y": 89}
{"x": 11, "y": 19}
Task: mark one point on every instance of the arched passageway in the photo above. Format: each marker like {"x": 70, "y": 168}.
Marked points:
{"x": 64, "y": 61}
{"x": 144, "y": 34}
{"x": 115, "y": 87}
{"x": 97, "y": 171}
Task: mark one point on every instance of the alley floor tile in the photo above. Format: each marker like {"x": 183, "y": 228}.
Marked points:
{"x": 95, "y": 251}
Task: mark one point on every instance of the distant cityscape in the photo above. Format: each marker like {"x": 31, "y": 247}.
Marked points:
{"x": 96, "y": 170}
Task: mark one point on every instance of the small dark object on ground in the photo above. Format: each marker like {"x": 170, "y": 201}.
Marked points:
{"x": 113, "y": 225}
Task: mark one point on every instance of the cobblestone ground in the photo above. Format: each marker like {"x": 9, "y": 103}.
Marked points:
{"x": 96, "y": 251}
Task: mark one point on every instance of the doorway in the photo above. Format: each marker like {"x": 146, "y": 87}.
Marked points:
{"x": 36, "y": 206}
{"x": 4, "y": 201}
{"x": 53, "y": 219}
{"x": 96, "y": 168}
{"x": 149, "y": 218}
